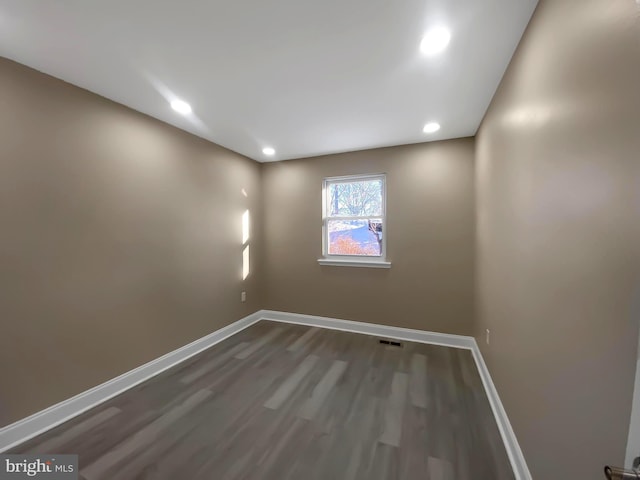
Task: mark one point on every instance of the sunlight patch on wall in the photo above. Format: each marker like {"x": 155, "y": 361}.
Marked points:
{"x": 245, "y": 227}
{"x": 245, "y": 244}
{"x": 245, "y": 263}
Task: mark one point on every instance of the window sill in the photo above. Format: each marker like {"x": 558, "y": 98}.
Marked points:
{"x": 335, "y": 262}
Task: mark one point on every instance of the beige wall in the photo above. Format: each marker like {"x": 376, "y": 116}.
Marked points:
{"x": 120, "y": 239}
{"x": 430, "y": 213}
{"x": 558, "y": 209}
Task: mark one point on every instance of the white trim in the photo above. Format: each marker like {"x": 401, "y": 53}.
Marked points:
{"x": 338, "y": 262}
{"x": 518, "y": 462}
{"x": 357, "y": 177}
{"x": 410, "y": 335}
{"x": 516, "y": 457}
{"x": 40, "y": 422}
{"x": 326, "y": 217}
{"x": 22, "y": 430}
{"x": 633, "y": 440}
{"x": 348, "y": 218}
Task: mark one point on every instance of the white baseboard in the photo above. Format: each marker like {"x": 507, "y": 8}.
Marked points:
{"x": 518, "y": 462}
{"x": 40, "y": 422}
{"x": 633, "y": 440}
{"x": 385, "y": 331}
{"x": 22, "y": 430}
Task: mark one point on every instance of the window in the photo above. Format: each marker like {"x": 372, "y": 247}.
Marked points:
{"x": 354, "y": 221}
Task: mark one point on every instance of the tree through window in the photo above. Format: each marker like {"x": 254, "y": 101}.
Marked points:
{"x": 354, "y": 216}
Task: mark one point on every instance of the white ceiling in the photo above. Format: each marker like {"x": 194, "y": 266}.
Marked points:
{"x": 308, "y": 77}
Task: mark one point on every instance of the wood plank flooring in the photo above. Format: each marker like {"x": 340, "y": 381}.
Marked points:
{"x": 279, "y": 401}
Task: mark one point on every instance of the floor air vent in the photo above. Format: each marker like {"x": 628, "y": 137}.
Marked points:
{"x": 391, "y": 343}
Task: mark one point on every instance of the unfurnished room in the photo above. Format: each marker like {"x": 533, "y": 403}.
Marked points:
{"x": 320, "y": 239}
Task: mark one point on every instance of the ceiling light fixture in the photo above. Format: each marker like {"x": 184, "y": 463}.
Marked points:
{"x": 181, "y": 107}
{"x": 431, "y": 127}
{"x": 268, "y": 151}
{"x": 435, "y": 41}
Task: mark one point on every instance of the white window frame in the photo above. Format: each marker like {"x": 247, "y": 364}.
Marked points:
{"x": 353, "y": 260}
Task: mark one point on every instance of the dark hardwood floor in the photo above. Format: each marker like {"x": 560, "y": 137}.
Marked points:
{"x": 279, "y": 401}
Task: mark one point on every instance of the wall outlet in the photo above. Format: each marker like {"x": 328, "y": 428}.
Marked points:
{"x": 243, "y": 297}
{"x": 487, "y": 336}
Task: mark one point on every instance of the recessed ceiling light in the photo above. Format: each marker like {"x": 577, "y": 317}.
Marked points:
{"x": 181, "y": 107}
{"x": 435, "y": 41}
{"x": 431, "y": 127}
{"x": 268, "y": 151}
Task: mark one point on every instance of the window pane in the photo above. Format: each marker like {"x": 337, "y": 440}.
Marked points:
{"x": 355, "y": 199}
{"x": 355, "y": 237}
